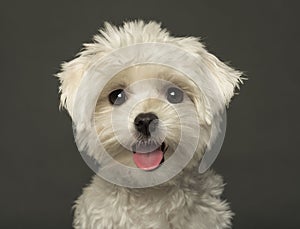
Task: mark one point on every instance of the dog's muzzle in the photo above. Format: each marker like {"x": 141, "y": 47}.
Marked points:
{"x": 147, "y": 153}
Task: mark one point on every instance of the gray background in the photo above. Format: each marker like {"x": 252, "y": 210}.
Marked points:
{"x": 41, "y": 170}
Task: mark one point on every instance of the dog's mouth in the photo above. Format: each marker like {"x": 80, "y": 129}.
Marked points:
{"x": 146, "y": 158}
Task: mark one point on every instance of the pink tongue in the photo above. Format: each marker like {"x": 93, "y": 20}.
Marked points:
{"x": 148, "y": 161}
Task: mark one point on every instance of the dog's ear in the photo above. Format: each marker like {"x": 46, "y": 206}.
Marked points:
{"x": 225, "y": 77}
{"x": 226, "y": 80}
{"x": 70, "y": 77}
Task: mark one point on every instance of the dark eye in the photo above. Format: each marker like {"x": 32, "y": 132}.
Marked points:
{"x": 117, "y": 97}
{"x": 174, "y": 95}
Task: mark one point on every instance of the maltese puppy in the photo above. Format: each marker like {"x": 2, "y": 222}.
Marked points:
{"x": 147, "y": 110}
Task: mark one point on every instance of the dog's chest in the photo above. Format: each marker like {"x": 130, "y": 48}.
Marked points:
{"x": 107, "y": 206}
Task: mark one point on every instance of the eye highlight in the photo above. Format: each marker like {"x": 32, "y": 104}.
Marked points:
{"x": 117, "y": 97}
{"x": 174, "y": 95}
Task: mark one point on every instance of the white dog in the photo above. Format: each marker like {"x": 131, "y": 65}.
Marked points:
{"x": 142, "y": 116}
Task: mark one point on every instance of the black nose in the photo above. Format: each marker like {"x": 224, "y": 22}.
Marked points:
{"x": 142, "y": 123}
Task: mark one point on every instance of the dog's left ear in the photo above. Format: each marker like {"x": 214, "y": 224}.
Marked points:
{"x": 225, "y": 77}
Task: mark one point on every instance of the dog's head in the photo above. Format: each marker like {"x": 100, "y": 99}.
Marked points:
{"x": 147, "y": 112}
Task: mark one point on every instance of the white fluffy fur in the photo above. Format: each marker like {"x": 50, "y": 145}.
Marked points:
{"x": 190, "y": 200}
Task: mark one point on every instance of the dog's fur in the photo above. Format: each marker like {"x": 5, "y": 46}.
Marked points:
{"x": 188, "y": 200}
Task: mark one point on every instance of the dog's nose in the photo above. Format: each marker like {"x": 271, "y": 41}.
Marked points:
{"x": 145, "y": 123}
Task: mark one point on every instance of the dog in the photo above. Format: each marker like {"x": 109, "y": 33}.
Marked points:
{"x": 144, "y": 116}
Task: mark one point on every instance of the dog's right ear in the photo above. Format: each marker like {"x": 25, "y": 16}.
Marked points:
{"x": 72, "y": 72}
{"x": 70, "y": 77}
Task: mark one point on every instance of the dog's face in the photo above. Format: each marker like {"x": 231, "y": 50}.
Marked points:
{"x": 142, "y": 111}
{"x": 146, "y": 112}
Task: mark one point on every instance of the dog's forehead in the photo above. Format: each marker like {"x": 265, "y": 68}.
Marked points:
{"x": 148, "y": 74}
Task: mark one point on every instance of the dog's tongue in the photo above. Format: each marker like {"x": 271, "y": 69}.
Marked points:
{"x": 148, "y": 161}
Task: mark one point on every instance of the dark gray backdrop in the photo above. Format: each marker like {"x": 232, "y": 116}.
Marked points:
{"x": 41, "y": 171}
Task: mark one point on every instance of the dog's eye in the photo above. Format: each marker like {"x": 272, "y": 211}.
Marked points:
{"x": 117, "y": 97}
{"x": 174, "y": 95}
